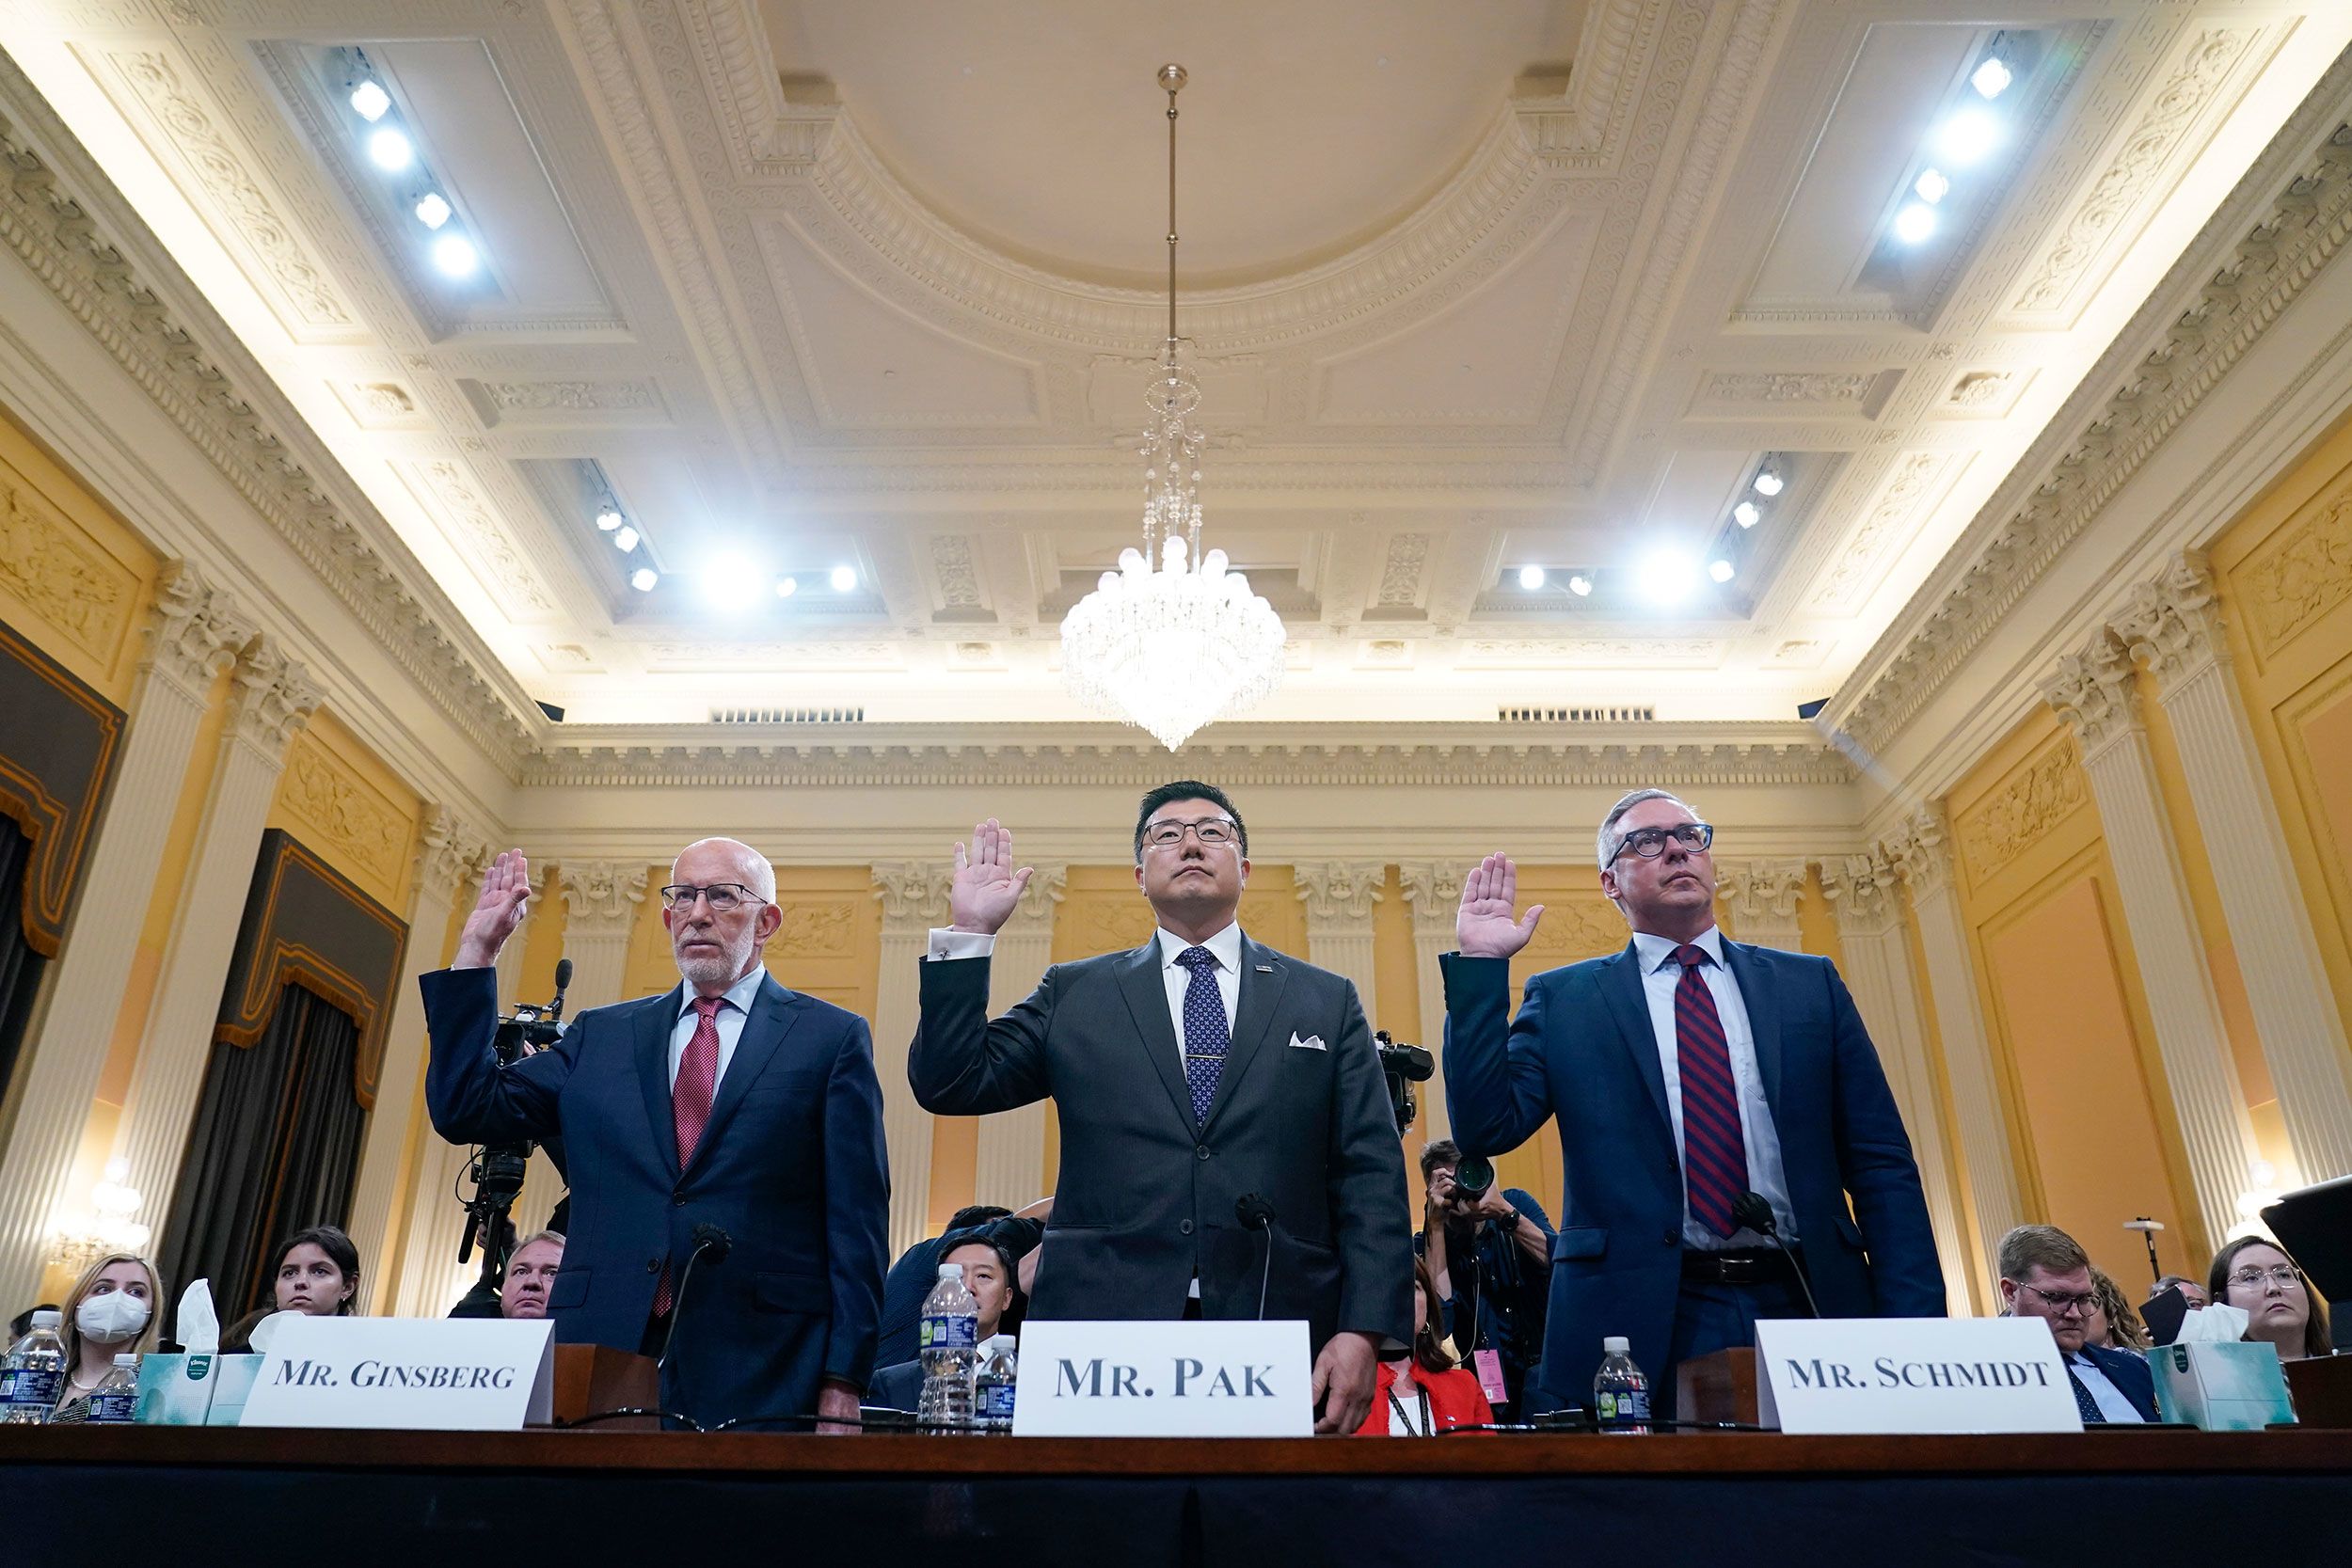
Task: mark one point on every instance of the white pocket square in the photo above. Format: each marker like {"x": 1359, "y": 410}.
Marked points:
{"x": 1313, "y": 1042}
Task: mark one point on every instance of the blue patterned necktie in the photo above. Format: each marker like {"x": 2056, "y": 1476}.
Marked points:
{"x": 1205, "y": 1032}
{"x": 2083, "y": 1400}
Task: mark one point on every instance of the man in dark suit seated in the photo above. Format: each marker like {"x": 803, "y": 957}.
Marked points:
{"x": 988, "y": 1274}
{"x": 729, "y": 1106}
{"x": 1193, "y": 1072}
{"x": 2045, "y": 1273}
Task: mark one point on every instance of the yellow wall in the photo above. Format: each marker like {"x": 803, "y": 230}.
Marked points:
{"x": 73, "y": 577}
{"x": 338, "y": 798}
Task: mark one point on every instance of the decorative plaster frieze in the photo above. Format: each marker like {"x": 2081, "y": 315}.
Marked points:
{"x": 2298, "y": 574}
{"x": 50, "y": 566}
{"x": 602, "y": 896}
{"x": 1787, "y": 387}
{"x": 344, "y": 810}
{"x": 2095, "y": 692}
{"x": 1920, "y": 851}
{"x": 2175, "y": 623}
{"x": 913, "y": 893}
{"x": 1862, "y": 891}
{"x": 270, "y": 697}
{"x": 1760, "y": 892}
{"x": 2026, "y": 808}
{"x": 1338, "y": 893}
{"x": 1433, "y": 889}
{"x": 449, "y": 854}
{"x": 1049, "y": 883}
{"x": 1919, "y": 477}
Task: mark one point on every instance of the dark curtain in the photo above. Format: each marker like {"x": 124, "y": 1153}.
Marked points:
{"x": 275, "y": 1147}
{"x": 20, "y": 966}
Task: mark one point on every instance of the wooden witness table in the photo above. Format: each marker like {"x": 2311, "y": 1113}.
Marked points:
{"x": 214, "y": 1494}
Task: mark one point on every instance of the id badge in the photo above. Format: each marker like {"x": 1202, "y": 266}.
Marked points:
{"x": 1489, "y": 1365}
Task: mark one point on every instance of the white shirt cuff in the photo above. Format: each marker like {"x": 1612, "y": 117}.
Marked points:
{"x": 958, "y": 944}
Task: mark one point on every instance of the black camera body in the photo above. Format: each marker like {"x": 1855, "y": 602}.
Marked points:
{"x": 1403, "y": 1065}
{"x": 498, "y": 1169}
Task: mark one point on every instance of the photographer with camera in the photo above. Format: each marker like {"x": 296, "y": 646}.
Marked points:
{"x": 1489, "y": 1249}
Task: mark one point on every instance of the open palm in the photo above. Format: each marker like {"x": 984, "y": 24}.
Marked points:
{"x": 1486, "y": 925}
{"x": 986, "y": 888}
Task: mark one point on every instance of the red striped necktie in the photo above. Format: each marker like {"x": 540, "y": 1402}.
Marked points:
{"x": 1715, "y": 1153}
{"x": 690, "y": 1106}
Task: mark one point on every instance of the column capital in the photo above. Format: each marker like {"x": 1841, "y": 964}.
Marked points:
{"x": 272, "y": 697}
{"x": 1760, "y": 892}
{"x": 1921, "y": 850}
{"x": 2174, "y": 622}
{"x": 449, "y": 856}
{"x": 1034, "y": 915}
{"x": 913, "y": 893}
{"x": 2096, "y": 691}
{"x": 600, "y": 897}
{"x": 196, "y": 629}
{"x": 1862, "y": 890}
{"x": 1340, "y": 893}
{"x": 1433, "y": 889}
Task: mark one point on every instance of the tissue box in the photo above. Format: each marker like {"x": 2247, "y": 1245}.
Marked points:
{"x": 195, "y": 1390}
{"x": 2221, "y": 1386}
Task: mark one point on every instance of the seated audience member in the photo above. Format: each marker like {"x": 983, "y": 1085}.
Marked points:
{"x": 481, "y": 1299}
{"x": 530, "y": 1275}
{"x": 911, "y": 1279}
{"x": 22, "y": 1324}
{"x": 2046, "y": 1274}
{"x": 988, "y": 1274}
{"x": 2190, "y": 1291}
{"x": 2259, "y": 1279}
{"x": 109, "y": 1312}
{"x": 314, "y": 1271}
{"x": 1423, "y": 1393}
{"x": 2113, "y": 1323}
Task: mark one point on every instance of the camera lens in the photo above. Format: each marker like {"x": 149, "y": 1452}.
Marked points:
{"x": 1473, "y": 1178}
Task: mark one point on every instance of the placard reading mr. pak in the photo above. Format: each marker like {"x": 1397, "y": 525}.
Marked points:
{"x": 1164, "y": 1380}
{"x": 457, "y": 1374}
{"x": 1912, "y": 1374}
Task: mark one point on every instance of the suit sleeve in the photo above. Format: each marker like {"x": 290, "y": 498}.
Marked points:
{"x": 1371, "y": 1225}
{"x": 1881, "y": 1178}
{"x": 962, "y": 1064}
{"x": 1497, "y": 1091}
{"x": 470, "y": 1098}
{"x": 857, "y": 1207}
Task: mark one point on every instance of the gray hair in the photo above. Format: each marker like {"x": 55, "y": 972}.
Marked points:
{"x": 537, "y": 1236}
{"x": 758, "y": 874}
{"x": 1609, "y": 841}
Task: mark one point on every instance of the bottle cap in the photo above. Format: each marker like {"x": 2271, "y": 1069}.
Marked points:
{"x": 951, "y": 1271}
{"x": 1613, "y": 1345}
{"x": 127, "y": 1362}
{"x": 999, "y": 1341}
{"x": 48, "y": 1318}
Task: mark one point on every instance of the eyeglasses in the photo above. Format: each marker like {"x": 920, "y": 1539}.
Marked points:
{"x": 1210, "y": 831}
{"x": 1650, "y": 843}
{"x": 2063, "y": 1305}
{"x": 2284, "y": 1276}
{"x": 723, "y": 898}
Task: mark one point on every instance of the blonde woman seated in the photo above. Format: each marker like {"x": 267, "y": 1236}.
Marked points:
{"x": 1423, "y": 1393}
{"x": 2113, "y": 1323}
{"x": 110, "y": 1312}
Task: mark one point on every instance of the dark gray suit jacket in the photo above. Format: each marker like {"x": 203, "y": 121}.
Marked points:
{"x": 1146, "y": 1200}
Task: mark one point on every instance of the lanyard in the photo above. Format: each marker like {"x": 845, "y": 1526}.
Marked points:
{"x": 1421, "y": 1394}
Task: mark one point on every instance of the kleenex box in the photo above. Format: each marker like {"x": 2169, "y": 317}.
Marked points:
{"x": 2221, "y": 1386}
{"x": 176, "y": 1390}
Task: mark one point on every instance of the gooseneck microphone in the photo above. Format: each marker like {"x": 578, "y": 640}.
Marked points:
{"x": 1256, "y": 1213}
{"x": 562, "y": 983}
{"x": 709, "y": 1241}
{"x": 1751, "y": 1210}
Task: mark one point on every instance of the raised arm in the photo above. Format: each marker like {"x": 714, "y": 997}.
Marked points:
{"x": 470, "y": 1098}
{"x": 961, "y": 1063}
{"x": 1497, "y": 1092}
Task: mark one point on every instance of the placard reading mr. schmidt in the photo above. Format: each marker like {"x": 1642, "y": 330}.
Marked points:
{"x": 1164, "y": 1380}
{"x": 1912, "y": 1374}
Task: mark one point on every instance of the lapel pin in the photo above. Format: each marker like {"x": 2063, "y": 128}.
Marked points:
{"x": 1265, "y": 969}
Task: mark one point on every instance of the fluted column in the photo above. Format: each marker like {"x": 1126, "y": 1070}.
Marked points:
{"x": 193, "y": 635}
{"x": 2095, "y": 692}
{"x": 270, "y": 699}
{"x": 1432, "y": 890}
{"x": 601, "y": 901}
{"x": 1339, "y": 896}
{"x": 1921, "y": 852}
{"x": 2175, "y": 623}
{"x": 1863, "y": 892}
{"x": 1009, "y": 1163}
{"x": 915, "y": 900}
{"x": 1762, "y": 897}
{"x": 449, "y": 855}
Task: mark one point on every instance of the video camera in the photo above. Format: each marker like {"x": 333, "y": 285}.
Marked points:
{"x": 1404, "y": 1066}
{"x": 497, "y": 1171}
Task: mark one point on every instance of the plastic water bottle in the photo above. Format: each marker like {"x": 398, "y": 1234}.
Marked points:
{"x": 950, "y": 1347}
{"x": 992, "y": 1386}
{"x": 115, "y": 1399}
{"x": 1620, "y": 1390}
{"x": 34, "y": 1373}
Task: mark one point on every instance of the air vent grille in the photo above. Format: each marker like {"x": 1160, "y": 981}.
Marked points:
{"x": 787, "y": 716}
{"x": 1576, "y": 715}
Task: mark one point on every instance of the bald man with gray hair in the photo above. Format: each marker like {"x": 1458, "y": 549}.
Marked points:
{"x": 730, "y": 1193}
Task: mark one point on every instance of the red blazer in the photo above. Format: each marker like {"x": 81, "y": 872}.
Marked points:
{"x": 1455, "y": 1400}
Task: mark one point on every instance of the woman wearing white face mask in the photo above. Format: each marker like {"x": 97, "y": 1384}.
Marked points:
{"x": 110, "y": 1312}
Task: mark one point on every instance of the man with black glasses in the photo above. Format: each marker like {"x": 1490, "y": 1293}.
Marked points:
{"x": 2045, "y": 1273}
{"x": 1699, "y": 1082}
{"x": 729, "y": 1190}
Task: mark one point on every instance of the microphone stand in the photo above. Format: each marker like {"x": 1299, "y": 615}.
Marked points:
{"x": 1751, "y": 1210}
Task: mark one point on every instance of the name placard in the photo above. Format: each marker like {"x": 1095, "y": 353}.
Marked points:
{"x": 1912, "y": 1374}
{"x": 1164, "y": 1380}
{"x": 457, "y": 1374}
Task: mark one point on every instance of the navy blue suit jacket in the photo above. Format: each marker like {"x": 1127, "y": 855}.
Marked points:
{"x": 1581, "y": 1048}
{"x": 2128, "y": 1371}
{"x": 791, "y": 1166}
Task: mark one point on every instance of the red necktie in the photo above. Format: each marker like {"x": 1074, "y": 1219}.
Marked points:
{"x": 1714, "y": 1154}
{"x": 690, "y": 1106}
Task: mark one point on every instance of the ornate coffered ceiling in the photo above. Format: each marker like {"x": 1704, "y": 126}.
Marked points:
{"x": 872, "y": 286}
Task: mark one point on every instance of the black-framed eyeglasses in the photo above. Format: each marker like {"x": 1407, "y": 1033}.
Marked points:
{"x": 723, "y": 897}
{"x": 1212, "y": 831}
{"x": 1650, "y": 843}
{"x": 2065, "y": 1306}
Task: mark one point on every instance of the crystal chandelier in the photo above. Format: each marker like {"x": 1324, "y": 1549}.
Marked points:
{"x": 1173, "y": 639}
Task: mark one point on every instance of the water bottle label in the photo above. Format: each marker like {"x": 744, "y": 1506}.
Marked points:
{"x": 950, "y": 1331}
{"x": 997, "y": 1403}
{"x": 1606, "y": 1405}
{"x": 1634, "y": 1404}
{"x": 120, "y": 1404}
{"x": 35, "y": 1385}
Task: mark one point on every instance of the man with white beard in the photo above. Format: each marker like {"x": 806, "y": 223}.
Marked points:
{"x": 729, "y": 1188}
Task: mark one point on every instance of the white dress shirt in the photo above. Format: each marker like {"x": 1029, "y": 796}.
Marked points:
{"x": 2104, "y": 1394}
{"x": 1225, "y": 948}
{"x": 1661, "y": 973}
{"x": 734, "y": 1012}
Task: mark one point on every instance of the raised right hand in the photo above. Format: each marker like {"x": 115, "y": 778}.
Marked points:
{"x": 1485, "y": 927}
{"x": 986, "y": 888}
{"x": 505, "y": 889}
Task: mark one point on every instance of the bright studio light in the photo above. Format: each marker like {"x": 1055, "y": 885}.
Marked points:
{"x": 1930, "y": 187}
{"x": 609, "y": 519}
{"x": 1767, "y": 483}
{"x": 1721, "y": 570}
{"x": 432, "y": 209}
{"x": 390, "y": 150}
{"x": 456, "y": 256}
{"x": 368, "y": 102}
{"x": 1969, "y": 136}
{"x": 1915, "y": 224}
{"x": 1746, "y": 515}
{"x": 1580, "y": 585}
{"x": 644, "y": 578}
{"x": 786, "y": 587}
{"x": 844, "y": 579}
{"x": 625, "y": 538}
{"x": 1992, "y": 78}
{"x": 1531, "y": 577}
{"x": 1666, "y": 575}
{"x": 729, "y": 582}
